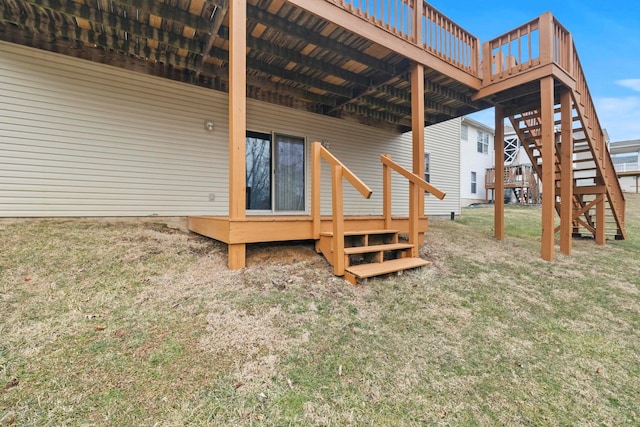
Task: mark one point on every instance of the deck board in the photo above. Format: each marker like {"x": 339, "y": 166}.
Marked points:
{"x": 364, "y": 271}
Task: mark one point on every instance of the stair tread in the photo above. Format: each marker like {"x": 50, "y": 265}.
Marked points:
{"x": 360, "y": 233}
{"x": 376, "y": 248}
{"x": 363, "y": 271}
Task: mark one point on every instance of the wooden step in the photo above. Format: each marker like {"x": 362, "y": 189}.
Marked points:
{"x": 376, "y": 248}
{"x": 360, "y": 233}
{"x": 364, "y": 271}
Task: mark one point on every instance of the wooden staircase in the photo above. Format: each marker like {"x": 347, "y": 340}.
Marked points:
{"x": 593, "y": 183}
{"x": 535, "y": 77}
{"x": 358, "y": 255}
{"x": 371, "y": 253}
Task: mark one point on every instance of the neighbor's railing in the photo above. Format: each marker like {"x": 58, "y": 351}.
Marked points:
{"x": 416, "y": 183}
{"x": 627, "y": 167}
{"x": 338, "y": 171}
{"x": 419, "y": 23}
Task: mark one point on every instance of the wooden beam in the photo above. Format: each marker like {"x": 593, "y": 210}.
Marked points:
{"x": 219, "y": 13}
{"x": 548, "y": 167}
{"x": 112, "y": 23}
{"x": 338, "y": 219}
{"x": 566, "y": 177}
{"x": 333, "y": 69}
{"x": 287, "y": 27}
{"x": 498, "y": 192}
{"x": 167, "y": 11}
{"x": 600, "y": 219}
{"x": 386, "y": 194}
{"x": 590, "y": 189}
{"x": 237, "y": 108}
{"x": 290, "y": 75}
{"x": 417, "y": 129}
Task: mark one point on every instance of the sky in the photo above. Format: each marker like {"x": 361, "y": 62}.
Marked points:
{"x": 607, "y": 38}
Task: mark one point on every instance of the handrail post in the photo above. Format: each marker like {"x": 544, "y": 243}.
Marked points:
{"x": 414, "y": 238}
{"x": 546, "y": 38}
{"x": 418, "y": 12}
{"x": 338, "y": 221}
{"x": 386, "y": 194}
{"x": 487, "y": 60}
{"x": 315, "y": 188}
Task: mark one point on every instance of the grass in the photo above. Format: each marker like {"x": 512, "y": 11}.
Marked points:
{"x": 136, "y": 323}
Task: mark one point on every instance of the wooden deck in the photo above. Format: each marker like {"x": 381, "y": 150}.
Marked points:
{"x": 396, "y": 64}
{"x": 257, "y": 229}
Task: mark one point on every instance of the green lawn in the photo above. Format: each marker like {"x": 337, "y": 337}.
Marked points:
{"x": 136, "y": 323}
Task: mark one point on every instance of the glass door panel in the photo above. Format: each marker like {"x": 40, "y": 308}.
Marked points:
{"x": 289, "y": 174}
{"x": 258, "y": 163}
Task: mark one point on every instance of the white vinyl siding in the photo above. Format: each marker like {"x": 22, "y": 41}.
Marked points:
{"x": 442, "y": 141}
{"x": 471, "y": 160}
{"x": 84, "y": 139}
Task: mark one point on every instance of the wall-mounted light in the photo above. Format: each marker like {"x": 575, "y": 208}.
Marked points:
{"x": 208, "y": 125}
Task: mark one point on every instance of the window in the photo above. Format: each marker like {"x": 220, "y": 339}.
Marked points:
{"x": 275, "y": 175}
{"x": 483, "y": 142}
{"x": 427, "y": 174}
{"x": 464, "y": 132}
{"x": 474, "y": 183}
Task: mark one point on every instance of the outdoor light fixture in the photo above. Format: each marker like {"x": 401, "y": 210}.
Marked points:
{"x": 208, "y": 125}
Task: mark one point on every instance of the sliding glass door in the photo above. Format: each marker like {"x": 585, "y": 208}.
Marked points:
{"x": 275, "y": 172}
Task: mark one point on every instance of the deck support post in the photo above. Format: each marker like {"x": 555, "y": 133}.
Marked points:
{"x": 386, "y": 194}
{"x": 237, "y": 123}
{"x": 548, "y": 148}
{"x": 600, "y": 219}
{"x": 417, "y": 124}
{"x": 566, "y": 173}
{"x": 338, "y": 220}
{"x": 498, "y": 193}
{"x": 416, "y": 208}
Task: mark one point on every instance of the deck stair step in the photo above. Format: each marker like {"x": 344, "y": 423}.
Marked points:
{"x": 376, "y": 248}
{"x": 364, "y": 271}
{"x": 370, "y": 253}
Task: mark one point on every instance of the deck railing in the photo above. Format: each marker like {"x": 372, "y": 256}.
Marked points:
{"x": 512, "y": 175}
{"x": 338, "y": 172}
{"x": 416, "y": 184}
{"x": 419, "y": 23}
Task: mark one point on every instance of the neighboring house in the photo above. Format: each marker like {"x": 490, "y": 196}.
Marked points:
{"x": 476, "y": 156}
{"x": 626, "y": 160}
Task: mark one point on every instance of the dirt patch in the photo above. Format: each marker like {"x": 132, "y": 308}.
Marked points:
{"x": 280, "y": 253}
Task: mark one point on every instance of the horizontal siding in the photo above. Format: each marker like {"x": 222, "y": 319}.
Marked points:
{"x": 471, "y": 160}
{"x": 84, "y": 139}
{"x": 441, "y": 142}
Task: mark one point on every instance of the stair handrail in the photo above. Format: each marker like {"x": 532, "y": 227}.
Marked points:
{"x": 415, "y": 184}
{"x": 593, "y": 131}
{"x": 338, "y": 171}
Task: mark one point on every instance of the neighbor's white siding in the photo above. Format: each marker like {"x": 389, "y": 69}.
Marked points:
{"x": 84, "y": 139}
{"x": 473, "y": 161}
